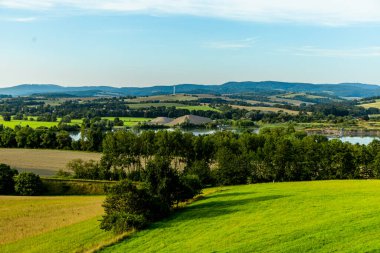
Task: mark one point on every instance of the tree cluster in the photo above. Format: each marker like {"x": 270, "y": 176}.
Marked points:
{"x": 225, "y": 158}
{"x": 25, "y": 184}
{"x": 134, "y": 206}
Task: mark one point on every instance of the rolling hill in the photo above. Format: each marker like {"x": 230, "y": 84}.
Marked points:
{"x": 267, "y": 87}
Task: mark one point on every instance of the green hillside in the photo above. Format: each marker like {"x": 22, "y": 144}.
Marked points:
{"x": 324, "y": 216}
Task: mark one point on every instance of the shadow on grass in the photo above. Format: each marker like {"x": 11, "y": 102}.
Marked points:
{"x": 229, "y": 194}
{"x": 209, "y": 207}
{"x": 212, "y": 207}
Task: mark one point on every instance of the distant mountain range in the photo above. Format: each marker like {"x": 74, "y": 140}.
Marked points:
{"x": 341, "y": 90}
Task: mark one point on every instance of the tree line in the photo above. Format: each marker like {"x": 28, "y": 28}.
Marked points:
{"x": 226, "y": 158}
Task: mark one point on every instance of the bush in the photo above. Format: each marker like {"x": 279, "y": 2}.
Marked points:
{"x": 86, "y": 169}
{"x": 28, "y": 184}
{"x": 189, "y": 186}
{"x": 202, "y": 170}
{"x": 132, "y": 207}
{"x": 7, "y": 183}
{"x": 121, "y": 221}
{"x": 128, "y": 207}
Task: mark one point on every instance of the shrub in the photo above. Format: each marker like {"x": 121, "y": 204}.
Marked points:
{"x": 128, "y": 207}
{"x": 189, "y": 186}
{"x": 132, "y": 207}
{"x": 28, "y": 184}
{"x": 7, "y": 183}
{"x": 85, "y": 169}
{"x": 202, "y": 170}
{"x": 121, "y": 221}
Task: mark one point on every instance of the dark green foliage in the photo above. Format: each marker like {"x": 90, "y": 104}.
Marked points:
{"x": 128, "y": 206}
{"x": 232, "y": 169}
{"x": 7, "y": 183}
{"x": 163, "y": 182}
{"x": 132, "y": 207}
{"x": 202, "y": 170}
{"x": 7, "y": 117}
{"x": 120, "y": 222}
{"x": 28, "y": 184}
{"x": 66, "y": 119}
{"x": 54, "y": 186}
{"x": 189, "y": 186}
{"x": 87, "y": 169}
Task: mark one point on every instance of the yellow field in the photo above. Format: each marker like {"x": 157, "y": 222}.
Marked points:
{"x": 40, "y": 161}
{"x": 374, "y": 105}
{"x": 282, "y": 100}
{"x": 22, "y": 217}
{"x": 264, "y": 109}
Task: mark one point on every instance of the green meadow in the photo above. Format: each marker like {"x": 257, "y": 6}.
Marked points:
{"x": 320, "y": 216}
{"x": 128, "y": 121}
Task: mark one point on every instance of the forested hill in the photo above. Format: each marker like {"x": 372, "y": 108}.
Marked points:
{"x": 267, "y": 87}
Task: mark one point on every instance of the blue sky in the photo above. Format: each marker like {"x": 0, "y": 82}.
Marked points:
{"x": 146, "y": 42}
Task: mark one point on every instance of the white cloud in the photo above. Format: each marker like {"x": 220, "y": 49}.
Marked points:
{"x": 236, "y": 44}
{"x": 326, "y": 52}
{"x": 325, "y": 12}
{"x": 21, "y": 19}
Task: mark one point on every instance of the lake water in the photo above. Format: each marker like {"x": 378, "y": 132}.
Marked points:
{"x": 363, "y": 140}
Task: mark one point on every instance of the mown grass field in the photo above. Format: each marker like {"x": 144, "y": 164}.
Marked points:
{"x": 265, "y": 109}
{"x": 374, "y": 105}
{"x": 129, "y": 121}
{"x": 34, "y": 123}
{"x": 293, "y": 95}
{"x": 40, "y": 161}
{"x": 50, "y": 224}
{"x": 321, "y": 216}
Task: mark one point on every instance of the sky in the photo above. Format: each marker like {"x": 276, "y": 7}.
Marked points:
{"x": 164, "y": 42}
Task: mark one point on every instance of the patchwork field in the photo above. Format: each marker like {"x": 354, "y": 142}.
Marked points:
{"x": 265, "y": 109}
{"x": 42, "y": 162}
{"x": 374, "y": 105}
{"x": 324, "y": 216}
{"x": 167, "y": 98}
{"x": 50, "y": 224}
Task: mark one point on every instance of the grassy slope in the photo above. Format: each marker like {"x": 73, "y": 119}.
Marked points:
{"x": 41, "y": 161}
{"x": 322, "y": 216}
{"x": 374, "y": 105}
{"x": 50, "y": 224}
